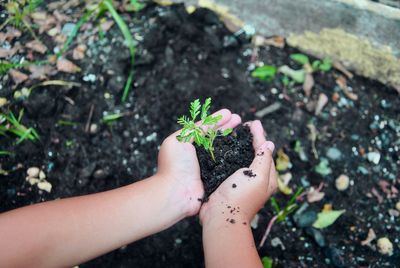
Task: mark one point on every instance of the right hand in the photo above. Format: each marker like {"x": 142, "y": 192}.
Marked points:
{"x": 247, "y": 194}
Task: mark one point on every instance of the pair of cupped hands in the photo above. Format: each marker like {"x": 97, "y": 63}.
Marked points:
{"x": 179, "y": 167}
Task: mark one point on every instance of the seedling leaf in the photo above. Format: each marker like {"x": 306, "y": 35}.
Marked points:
{"x": 327, "y": 218}
{"x": 300, "y": 58}
{"x": 227, "y": 131}
{"x": 264, "y": 73}
{"x": 267, "y": 262}
{"x": 195, "y": 109}
{"x": 326, "y": 65}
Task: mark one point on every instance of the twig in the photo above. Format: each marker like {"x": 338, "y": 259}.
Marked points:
{"x": 270, "y": 224}
{"x": 87, "y": 126}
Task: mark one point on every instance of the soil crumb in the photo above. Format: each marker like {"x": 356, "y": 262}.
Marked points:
{"x": 249, "y": 173}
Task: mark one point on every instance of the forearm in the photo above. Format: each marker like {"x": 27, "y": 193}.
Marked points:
{"x": 228, "y": 242}
{"x": 70, "y": 231}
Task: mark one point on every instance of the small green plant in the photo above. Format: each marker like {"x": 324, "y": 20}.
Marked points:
{"x": 267, "y": 262}
{"x": 288, "y": 209}
{"x": 112, "y": 117}
{"x": 98, "y": 10}
{"x": 281, "y": 214}
{"x": 316, "y": 65}
{"x": 264, "y": 73}
{"x": 18, "y": 10}
{"x": 204, "y": 132}
{"x": 10, "y": 124}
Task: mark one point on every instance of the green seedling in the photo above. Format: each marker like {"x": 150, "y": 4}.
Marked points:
{"x": 112, "y": 117}
{"x": 204, "y": 132}
{"x": 6, "y": 66}
{"x": 6, "y": 153}
{"x": 317, "y": 65}
{"x": 18, "y": 10}
{"x": 264, "y": 73}
{"x": 281, "y": 214}
{"x": 288, "y": 209}
{"x": 98, "y": 10}
{"x": 10, "y": 124}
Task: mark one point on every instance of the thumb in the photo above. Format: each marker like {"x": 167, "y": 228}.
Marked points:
{"x": 262, "y": 162}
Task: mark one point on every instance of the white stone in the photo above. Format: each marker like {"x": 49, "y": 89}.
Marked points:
{"x": 42, "y": 176}
{"x": 33, "y": 172}
{"x": 45, "y": 186}
{"x": 385, "y": 247}
{"x": 342, "y": 182}
{"x": 374, "y": 157}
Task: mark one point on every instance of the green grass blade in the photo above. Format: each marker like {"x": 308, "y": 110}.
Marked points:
{"x": 129, "y": 40}
{"x": 74, "y": 32}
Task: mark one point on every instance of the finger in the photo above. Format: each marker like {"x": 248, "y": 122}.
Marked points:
{"x": 262, "y": 162}
{"x": 272, "y": 184}
{"x": 226, "y": 116}
{"x": 232, "y": 123}
{"x": 257, "y": 131}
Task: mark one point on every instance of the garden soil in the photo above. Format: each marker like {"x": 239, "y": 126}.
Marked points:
{"x": 181, "y": 57}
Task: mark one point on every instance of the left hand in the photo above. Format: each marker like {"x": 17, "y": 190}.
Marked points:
{"x": 179, "y": 168}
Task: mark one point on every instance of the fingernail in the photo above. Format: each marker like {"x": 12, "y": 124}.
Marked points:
{"x": 268, "y": 145}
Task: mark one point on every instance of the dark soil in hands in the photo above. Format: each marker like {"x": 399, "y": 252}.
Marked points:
{"x": 231, "y": 153}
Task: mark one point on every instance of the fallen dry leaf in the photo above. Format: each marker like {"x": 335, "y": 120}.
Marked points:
{"x": 5, "y": 53}
{"x": 308, "y": 84}
{"x": 370, "y": 237}
{"x": 66, "y": 66}
{"x": 322, "y": 101}
{"x": 276, "y": 41}
{"x": 18, "y": 76}
{"x": 79, "y": 52}
{"x": 41, "y": 72}
{"x": 106, "y": 25}
{"x": 61, "y": 17}
{"x": 40, "y": 15}
{"x": 37, "y": 46}
{"x": 10, "y": 34}
{"x": 60, "y": 39}
{"x": 377, "y": 195}
{"x": 342, "y": 83}
{"x": 314, "y": 195}
{"x": 283, "y": 182}
{"x": 338, "y": 66}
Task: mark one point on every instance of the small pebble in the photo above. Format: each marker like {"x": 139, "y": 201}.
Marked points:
{"x": 398, "y": 206}
{"x": 93, "y": 128}
{"x": 42, "y": 176}
{"x": 334, "y": 153}
{"x": 342, "y": 182}
{"x": 45, "y": 186}
{"x": 385, "y": 247}
{"x": 33, "y": 172}
{"x": 374, "y": 157}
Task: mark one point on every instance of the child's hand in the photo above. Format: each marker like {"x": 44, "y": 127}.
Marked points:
{"x": 179, "y": 169}
{"x": 241, "y": 196}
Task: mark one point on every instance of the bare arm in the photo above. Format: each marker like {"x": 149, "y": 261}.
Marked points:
{"x": 70, "y": 231}
{"x": 226, "y": 217}
{"x": 67, "y": 232}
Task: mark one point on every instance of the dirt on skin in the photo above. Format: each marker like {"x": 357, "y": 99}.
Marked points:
{"x": 181, "y": 57}
{"x": 231, "y": 153}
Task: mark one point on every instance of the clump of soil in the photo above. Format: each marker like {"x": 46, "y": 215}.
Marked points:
{"x": 231, "y": 153}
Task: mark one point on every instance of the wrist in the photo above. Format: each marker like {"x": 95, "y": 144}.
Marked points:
{"x": 223, "y": 214}
{"x": 179, "y": 201}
